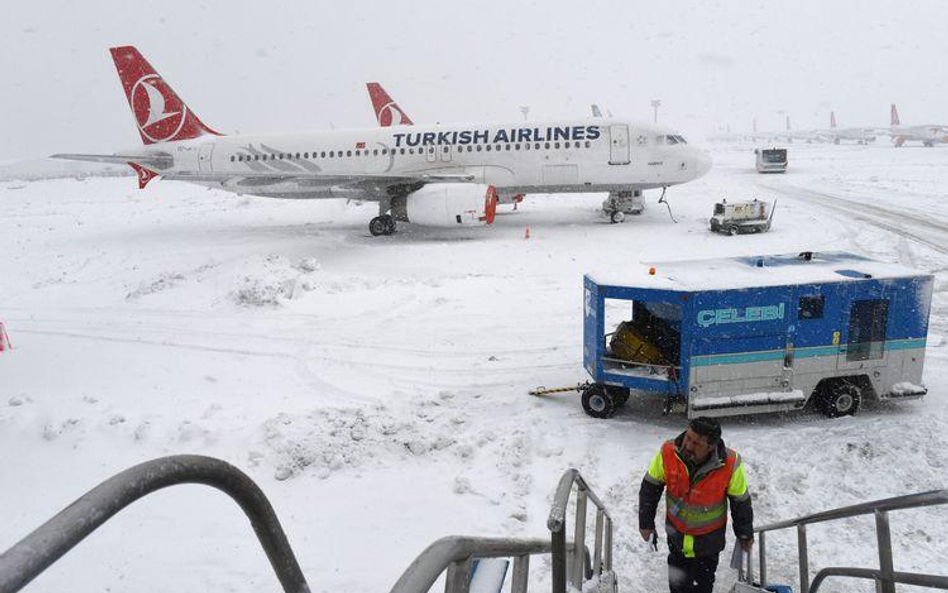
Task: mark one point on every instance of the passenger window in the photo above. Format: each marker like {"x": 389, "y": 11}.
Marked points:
{"x": 402, "y": 151}
{"x": 322, "y": 154}
{"x": 348, "y": 153}
{"x": 508, "y": 148}
{"x": 375, "y": 152}
{"x": 297, "y": 156}
{"x": 358, "y": 153}
{"x": 460, "y": 149}
{"x": 306, "y": 155}
{"x": 256, "y": 157}
{"x": 810, "y": 307}
{"x": 411, "y": 151}
{"x": 588, "y": 144}
{"x": 547, "y": 146}
{"x": 566, "y": 145}
{"x": 536, "y": 146}
{"x": 479, "y": 148}
{"x": 488, "y": 148}
{"x": 332, "y": 154}
{"x": 526, "y": 146}
{"x": 232, "y": 158}
{"x": 470, "y": 148}
{"x": 517, "y": 146}
{"x": 556, "y": 145}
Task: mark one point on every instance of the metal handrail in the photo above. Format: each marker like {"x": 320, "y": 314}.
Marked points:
{"x": 33, "y": 554}
{"x": 557, "y": 526}
{"x": 455, "y": 554}
{"x": 885, "y": 576}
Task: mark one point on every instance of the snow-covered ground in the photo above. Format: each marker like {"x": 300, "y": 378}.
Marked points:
{"x": 376, "y": 387}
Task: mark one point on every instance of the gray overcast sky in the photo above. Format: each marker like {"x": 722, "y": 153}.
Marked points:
{"x": 271, "y": 66}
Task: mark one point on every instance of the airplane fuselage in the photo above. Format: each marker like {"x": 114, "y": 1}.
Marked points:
{"x": 529, "y": 157}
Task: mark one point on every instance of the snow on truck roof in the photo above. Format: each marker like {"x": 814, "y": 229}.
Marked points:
{"x": 755, "y": 271}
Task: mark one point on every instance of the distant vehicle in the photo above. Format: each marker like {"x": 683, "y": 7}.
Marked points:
{"x": 742, "y": 217}
{"x": 771, "y": 160}
{"x": 928, "y": 135}
{"x": 758, "y": 334}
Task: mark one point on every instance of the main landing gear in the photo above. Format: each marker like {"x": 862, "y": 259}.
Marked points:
{"x": 382, "y": 225}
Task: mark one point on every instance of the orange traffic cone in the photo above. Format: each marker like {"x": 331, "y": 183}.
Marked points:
{"x": 4, "y": 339}
{"x": 526, "y": 235}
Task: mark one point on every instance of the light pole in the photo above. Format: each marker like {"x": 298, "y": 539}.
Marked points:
{"x": 655, "y": 104}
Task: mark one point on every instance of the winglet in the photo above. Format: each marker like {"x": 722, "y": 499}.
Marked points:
{"x": 144, "y": 175}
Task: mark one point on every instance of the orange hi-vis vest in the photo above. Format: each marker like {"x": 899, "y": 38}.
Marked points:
{"x": 699, "y": 507}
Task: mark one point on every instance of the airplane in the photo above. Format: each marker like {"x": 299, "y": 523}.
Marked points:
{"x": 441, "y": 176}
{"x": 860, "y": 135}
{"x": 928, "y": 135}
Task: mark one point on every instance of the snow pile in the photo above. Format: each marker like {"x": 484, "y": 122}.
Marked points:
{"x": 272, "y": 280}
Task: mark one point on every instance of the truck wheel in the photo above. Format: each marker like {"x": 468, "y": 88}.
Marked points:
{"x": 620, "y": 395}
{"x": 840, "y": 398}
{"x": 597, "y": 402}
{"x": 617, "y": 217}
{"x": 732, "y": 230}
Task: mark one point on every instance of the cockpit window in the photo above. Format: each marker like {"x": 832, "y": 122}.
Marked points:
{"x": 681, "y": 139}
{"x": 660, "y": 140}
{"x": 671, "y": 139}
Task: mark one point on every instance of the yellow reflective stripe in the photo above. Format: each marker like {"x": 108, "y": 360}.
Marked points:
{"x": 695, "y": 517}
{"x": 737, "y": 487}
{"x": 688, "y": 546}
{"x": 656, "y": 470}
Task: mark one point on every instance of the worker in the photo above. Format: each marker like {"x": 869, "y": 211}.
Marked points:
{"x": 701, "y": 476}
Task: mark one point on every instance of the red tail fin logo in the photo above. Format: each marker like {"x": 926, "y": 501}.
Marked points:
{"x": 387, "y": 111}
{"x": 160, "y": 113}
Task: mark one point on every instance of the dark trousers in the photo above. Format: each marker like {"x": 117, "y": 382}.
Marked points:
{"x": 691, "y": 575}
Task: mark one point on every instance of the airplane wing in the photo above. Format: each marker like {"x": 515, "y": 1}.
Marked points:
{"x": 154, "y": 161}
{"x": 287, "y": 184}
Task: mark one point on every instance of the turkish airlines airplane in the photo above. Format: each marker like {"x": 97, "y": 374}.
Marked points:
{"x": 443, "y": 175}
{"x": 927, "y": 135}
{"x": 860, "y": 135}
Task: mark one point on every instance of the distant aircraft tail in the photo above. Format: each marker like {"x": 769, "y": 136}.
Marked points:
{"x": 159, "y": 112}
{"x": 894, "y": 116}
{"x": 387, "y": 111}
{"x": 832, "y": 120}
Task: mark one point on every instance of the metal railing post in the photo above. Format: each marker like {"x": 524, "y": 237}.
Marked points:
{"x": 521, "y": 574}
{"x": 579, "y": 541}
{"x": 458, "y": 579}
{"x": 559, "y": 561}
{"x": 608, "y": 544}
{"x": 597, "y": 555}
{"x": 804, "y": 562}
{"x": 763, "y": 559}
{"x": 884, "y": 538}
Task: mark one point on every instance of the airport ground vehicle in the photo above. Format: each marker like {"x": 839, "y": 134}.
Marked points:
{"x": 742, "y": 217}
{"x": 749, "y": 335}
{"x": 771, "y": 160}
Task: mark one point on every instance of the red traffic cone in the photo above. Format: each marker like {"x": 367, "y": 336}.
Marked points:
{"x": 526, "y": 235}
{"x": 4, "y": 339}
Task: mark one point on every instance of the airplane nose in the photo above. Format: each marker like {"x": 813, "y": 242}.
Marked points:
{"x": 702, "y": 163}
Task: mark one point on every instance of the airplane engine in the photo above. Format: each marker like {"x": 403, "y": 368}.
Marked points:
{"x": 448, "y": 204}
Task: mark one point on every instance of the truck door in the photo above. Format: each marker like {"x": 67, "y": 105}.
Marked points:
{"x": 619, "y": 145}
{"x": 864, "y": 323}
{"x": 204, "y": 158}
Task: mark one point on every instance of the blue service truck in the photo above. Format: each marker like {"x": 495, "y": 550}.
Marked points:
{"x": 749, "y": 335}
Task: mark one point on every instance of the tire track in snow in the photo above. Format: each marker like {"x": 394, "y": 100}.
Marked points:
{"x": 895, "y": 221}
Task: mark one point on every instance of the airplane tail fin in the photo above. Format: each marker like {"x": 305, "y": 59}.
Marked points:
{"x": 387, "y": 111}
{"x": 159, "y": 112}
{"x": 788, "y": 123}
{"x": 832, "y": 120}
{"x": 894, "y": 116}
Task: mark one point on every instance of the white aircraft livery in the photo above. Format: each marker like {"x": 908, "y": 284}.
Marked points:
{"x": 442, "y": 175}
{"x": 928, "y": 135}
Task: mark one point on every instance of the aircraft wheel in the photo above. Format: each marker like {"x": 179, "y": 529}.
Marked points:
{"x": 617, "y": 217}
{"x": 377, "y": 226}
{"x": 389, "y": 224}
{"x": 597, "y": 402}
